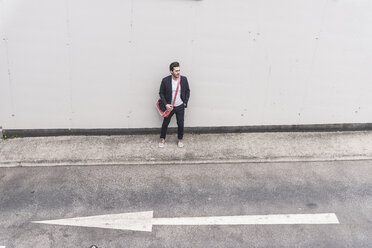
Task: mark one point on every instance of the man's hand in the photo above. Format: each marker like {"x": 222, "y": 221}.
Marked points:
{"x": 169, "y": 107}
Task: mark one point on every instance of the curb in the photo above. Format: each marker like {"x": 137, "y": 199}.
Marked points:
{"x": 179, "y": 162}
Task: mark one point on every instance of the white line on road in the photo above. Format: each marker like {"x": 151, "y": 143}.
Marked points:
{"x": 280, "y": 219}
{"x": 143, "y": 221}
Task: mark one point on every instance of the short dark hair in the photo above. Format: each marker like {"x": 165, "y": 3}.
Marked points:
{"x": 174, "y": 64}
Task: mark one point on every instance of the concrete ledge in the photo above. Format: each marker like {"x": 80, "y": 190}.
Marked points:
{"x": 196, "y": 130}
{"x": 199, "y": 148}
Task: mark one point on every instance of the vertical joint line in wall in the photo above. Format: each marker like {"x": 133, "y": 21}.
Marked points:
{"x": 312, "y": 61}
{"x": 193, "y": 33}
{"x": 131, "y": 47}
{"x": 5, "y": 39}
{"x": 266, "y": 101}
{"x": 69, "y": 64}
{"x": 131, "y": 35}
{"x": 9, "y": 74}
{"x": 131, "y": 16}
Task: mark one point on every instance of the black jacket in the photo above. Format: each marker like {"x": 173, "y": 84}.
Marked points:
{"x": 165, "y": 91}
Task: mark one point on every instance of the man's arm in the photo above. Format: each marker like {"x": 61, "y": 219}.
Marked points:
{"x": 162, "y": 92}
{"x": 162, "y": 95}
{"x": 187, "y": 96}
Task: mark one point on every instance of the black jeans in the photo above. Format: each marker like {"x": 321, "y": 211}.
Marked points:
{"x": 180, "y": 114}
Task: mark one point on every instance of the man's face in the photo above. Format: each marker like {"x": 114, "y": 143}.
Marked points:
{"x": 176, "y": 72}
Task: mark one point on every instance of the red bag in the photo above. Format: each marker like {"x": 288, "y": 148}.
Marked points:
{"x": 166, "y": 113}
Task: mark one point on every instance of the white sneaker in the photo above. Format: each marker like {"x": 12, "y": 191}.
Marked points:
{"x": 180, "y": 144}
{"x": 161, "y": 144}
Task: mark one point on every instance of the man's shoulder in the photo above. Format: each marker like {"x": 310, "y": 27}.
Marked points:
{"x": 167, "y": 78}
{"x": 183, "y": 79}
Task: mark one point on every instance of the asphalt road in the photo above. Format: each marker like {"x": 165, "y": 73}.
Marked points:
{"x": 48, "y": 193}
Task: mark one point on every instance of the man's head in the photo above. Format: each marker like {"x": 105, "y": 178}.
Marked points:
{"x": 175, "y": 69}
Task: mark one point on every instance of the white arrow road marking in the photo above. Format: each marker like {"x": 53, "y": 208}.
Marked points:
{"x": 143, "y": 221}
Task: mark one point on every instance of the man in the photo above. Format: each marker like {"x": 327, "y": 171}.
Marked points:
{"x": 167, "y": 94}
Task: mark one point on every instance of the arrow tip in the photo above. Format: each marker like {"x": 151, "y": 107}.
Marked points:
{"x": 136, "y": 221}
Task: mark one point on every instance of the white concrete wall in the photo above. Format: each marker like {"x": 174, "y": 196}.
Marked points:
{"x": 98, "y": 64}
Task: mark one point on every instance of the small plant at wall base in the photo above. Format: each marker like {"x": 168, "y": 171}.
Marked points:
{"x": 10, "y": 137}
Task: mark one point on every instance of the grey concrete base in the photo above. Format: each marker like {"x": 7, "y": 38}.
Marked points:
{"x": 199, "y": 148}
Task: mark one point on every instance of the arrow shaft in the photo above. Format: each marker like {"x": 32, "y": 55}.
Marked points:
{"x": 328, "y": 218}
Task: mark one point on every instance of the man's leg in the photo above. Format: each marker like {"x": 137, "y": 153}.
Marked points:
{"x": 165, "y": 124}
{"x": 180, "y": 115}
